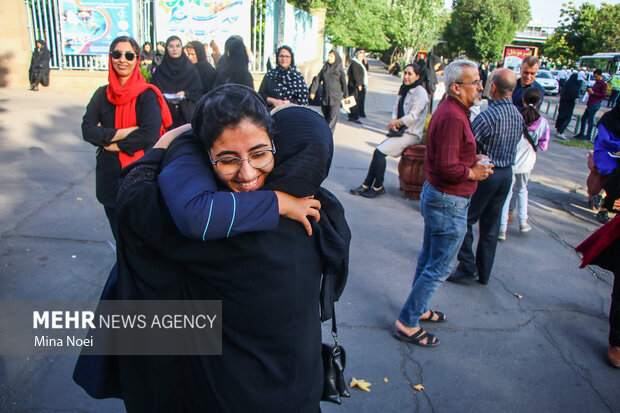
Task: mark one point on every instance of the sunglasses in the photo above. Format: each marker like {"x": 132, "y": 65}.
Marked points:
{"x": 117, "y": 55}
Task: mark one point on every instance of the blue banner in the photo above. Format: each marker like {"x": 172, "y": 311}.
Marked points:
{"x": 88, "y": 27}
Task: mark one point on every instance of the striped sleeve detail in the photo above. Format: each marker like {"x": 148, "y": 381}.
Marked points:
{"x": 204, "y": 234}
{"x": 234, "y": 211}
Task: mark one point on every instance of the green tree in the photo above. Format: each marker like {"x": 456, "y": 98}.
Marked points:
{"x": 587, "y": 30}
{"x": 556, "y": 48}
{"x": 357, "y": 23}
{"x": 413, "y": 23}
{"x": 481, "y": 28}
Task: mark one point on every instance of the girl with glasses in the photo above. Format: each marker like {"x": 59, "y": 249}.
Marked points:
{"x": 269, "y": 281}
{"x": 123, "y": 120}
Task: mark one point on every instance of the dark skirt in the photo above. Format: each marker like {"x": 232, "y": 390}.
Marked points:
{"x": 565, "y": 113}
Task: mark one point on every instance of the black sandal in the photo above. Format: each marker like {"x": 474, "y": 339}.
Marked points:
{"x": 417, "y": 338}
{"x": 441, "y": 317}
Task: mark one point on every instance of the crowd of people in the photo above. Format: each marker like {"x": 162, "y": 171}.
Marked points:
{"x": 210, "y": 196}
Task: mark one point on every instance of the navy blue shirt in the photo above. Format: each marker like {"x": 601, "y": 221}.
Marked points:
{"x": 498, "y": 130}
{"x": 517, "y": 94}
{"x": 190, "y": 191}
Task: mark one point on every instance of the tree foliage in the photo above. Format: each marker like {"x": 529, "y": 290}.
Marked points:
{"x": 357, "y": 23}
{"x": 585, "y": 30}
{"x": 413, "y": 23}
{"x": 481, "y": 28}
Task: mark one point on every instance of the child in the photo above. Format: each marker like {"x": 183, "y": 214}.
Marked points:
{"x": 538, "y": 129}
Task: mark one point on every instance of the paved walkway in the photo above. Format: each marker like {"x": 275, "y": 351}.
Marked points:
{"x": 532, "y": 340}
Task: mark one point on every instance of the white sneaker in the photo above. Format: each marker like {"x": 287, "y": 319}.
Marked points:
{"x": 524, "y": 227}
{"x": 501, "y": 236}
{"x": 561, "y": 136}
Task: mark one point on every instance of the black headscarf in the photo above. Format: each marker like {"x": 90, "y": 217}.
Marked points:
{"x": 336, "y": 66}
{"x": 404, "y": 89}
{"x": 233, "y": 66}
{"x": 289, "y": 84}
{"x": 176, "y": 74}
{"x": 205, "y": 70}
{"x": 430, "y": 77}
{"x": 147, "y": 55}
{"x": 570, "y": 90}
{"x": 611, "y": 121}
{"x": 304, "y": 150}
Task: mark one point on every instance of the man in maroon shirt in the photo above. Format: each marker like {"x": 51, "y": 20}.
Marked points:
{"x": 597, "y": 95}
{"x": 452, "y": 169}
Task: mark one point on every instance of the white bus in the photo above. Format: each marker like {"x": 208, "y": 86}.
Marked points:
{"x": 607, "y": 62}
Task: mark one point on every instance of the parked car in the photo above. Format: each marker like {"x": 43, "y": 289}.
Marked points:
{"x": 546, "y": 79}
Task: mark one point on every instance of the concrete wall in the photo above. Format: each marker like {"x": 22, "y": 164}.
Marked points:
{"x": 15, "y": 50}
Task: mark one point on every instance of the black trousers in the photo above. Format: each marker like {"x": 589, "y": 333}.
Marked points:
{"x": 358, "y": 110}
{"x": 376, "y": 171}
{"x": 486, "y": 206}
{"x": 330, "y": 113}
{"x": 565, "y": 113}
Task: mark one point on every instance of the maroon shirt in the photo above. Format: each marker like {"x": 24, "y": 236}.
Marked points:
{"x": 599, "y": 92}
{"x": 450, "y": 149}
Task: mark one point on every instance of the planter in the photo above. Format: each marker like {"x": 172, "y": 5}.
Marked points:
{"x": 411, "y": 173}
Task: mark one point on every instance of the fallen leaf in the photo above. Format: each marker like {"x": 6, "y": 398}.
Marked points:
{"x": 519, "y": 296}
{"x": 361, "y": 384}
{"x": 79, "y": 198}
{"x": 385, "y": 380}
{"x": 418, "y": 387}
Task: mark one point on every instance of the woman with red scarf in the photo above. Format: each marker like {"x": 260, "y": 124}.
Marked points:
{"x": 123, "y": 120}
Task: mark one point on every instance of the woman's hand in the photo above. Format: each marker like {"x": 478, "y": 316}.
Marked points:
{"x": 112, "y": 148}
{"x": 122, "y": 133}
{"x": 395, "y": 124}
{"x": 298, "y": 209}
{"x": 181, "y": 93}
{"x": 167, "y": 138}
{"x": 277, "y": 102}
{"x": 312, "y": 95}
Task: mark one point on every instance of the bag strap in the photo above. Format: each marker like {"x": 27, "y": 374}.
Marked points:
{"x": 529, "y": 138}
{"x": 334, "y": 328}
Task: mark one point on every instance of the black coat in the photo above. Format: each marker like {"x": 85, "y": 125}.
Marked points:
{"x": 334, "y": 83}
{"x": 39, "y": 71}
{"x": 356, "y": 76}
{"x": 98, "y": 129}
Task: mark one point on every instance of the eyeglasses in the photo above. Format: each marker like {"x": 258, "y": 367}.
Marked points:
{"x": 229, "y": 165}
{"x": 116, "y": 54}
{"x": 475, "y": 82}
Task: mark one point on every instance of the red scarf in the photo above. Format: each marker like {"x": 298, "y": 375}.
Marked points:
{"x": 124, "y": 98}
{"x": 596, "y": 243}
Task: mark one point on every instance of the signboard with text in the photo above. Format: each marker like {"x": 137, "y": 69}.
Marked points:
{"x": 88, "y": 27}
{"x": 202, "y": 21}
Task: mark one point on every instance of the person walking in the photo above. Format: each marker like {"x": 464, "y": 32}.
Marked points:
{"x": 537, "y": 139}
{"x": 334, "y": 83}
{"x": 568, "y": 95}
{"x": 123, "y": 120}
{"x": 356, "y": 85}
{"x": 529, "y": 70}
{"x": 405, "y": 128}
{"x": 452, "y": 169}
{"x": 233, "y": 66}
{"x": 596, "y": 95}
{"x": 498, "y": 130}
{"x": 39, "y": 71}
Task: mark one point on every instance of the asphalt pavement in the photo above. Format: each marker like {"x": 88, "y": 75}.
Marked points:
{"x": 534, "y": 339}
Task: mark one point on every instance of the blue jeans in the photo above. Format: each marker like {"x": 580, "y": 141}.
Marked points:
{"x": 445, "y": 224}
{"x": 588, "y": 117}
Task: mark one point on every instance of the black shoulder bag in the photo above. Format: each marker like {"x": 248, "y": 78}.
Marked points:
{"x": 334, "y": 361}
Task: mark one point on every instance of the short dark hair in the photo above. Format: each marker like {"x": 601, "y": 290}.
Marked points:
{"x": 499, "y": 64}
{"x": 598, "y": 72}
{"x": 134, "y": 45}
{"x": 225, "y": 107}
{"x": 530, "y": 60}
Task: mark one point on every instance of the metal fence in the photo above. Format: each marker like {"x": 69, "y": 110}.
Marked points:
{"x": 44, "y": 22}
